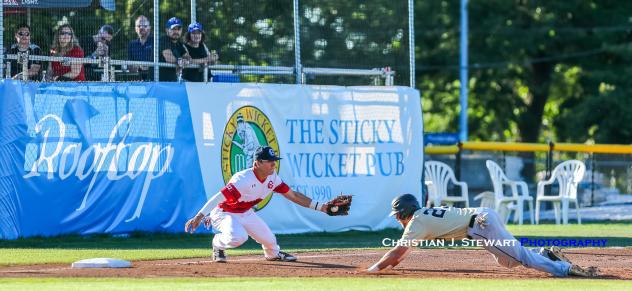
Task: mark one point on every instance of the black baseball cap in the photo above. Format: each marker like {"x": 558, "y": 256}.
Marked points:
{"x": 265, "y": 153}
{"x": 406, "y": 204}
{"x": 107, "y": 29}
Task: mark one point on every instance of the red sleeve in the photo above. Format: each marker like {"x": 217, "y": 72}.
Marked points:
{"x": 230, "y": 192}
{"x": 282, "y": 188}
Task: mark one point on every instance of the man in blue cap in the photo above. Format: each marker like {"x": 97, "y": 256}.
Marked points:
{"x": 230, "y": 210}
{"x": 172, "y": 49}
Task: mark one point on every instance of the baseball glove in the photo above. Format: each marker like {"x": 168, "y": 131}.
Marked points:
{"x": 339, "y": 205}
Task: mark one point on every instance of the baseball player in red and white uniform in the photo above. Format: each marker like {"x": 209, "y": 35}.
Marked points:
{"x": 478, "y": 224}
{"x": 230, "y": 210}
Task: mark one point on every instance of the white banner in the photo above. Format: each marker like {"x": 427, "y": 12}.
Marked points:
{"x": 364, "y": 141}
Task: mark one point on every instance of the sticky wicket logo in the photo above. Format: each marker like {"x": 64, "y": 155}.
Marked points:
{"x": 246, "y": 130}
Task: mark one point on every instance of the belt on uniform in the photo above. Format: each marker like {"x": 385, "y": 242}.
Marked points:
{"x": 472, "y": 220}
{"x": 471, "y": 225}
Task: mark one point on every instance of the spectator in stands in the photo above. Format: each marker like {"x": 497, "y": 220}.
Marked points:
{"x": 172, "y": 50}
{"x": 142, "y": 49}
{"x": 23, "y": 44}
{"x": 96, "y": 46}
{"x": 65, "y": 44}
{"x": 199, "y": 52}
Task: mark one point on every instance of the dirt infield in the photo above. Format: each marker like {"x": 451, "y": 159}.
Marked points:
{"x": 614, "y": 263}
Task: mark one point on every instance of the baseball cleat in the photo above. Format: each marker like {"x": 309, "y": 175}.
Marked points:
{"x": 283, "y": 257}
{"x": 556, "y": 254}
{"x": 589, "y": 272}
{"x": 219, "y": 256}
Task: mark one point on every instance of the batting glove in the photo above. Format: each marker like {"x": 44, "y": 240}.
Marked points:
{"x": 481, "y": 219}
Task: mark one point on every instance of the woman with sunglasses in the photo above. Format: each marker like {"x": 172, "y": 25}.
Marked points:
{"x": 65, "y": 44}
{"x": 23, "y": 44}
{"x": 199, "y": 52}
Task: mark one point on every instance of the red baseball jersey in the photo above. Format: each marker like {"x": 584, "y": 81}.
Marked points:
{"x": 244, "y": 190}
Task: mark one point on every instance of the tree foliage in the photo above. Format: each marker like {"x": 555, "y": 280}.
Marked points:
{"x": 539, "y": 70}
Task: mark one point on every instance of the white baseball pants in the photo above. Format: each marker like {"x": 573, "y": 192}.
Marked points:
{"x": 234, "y": 229}
{"x": 513, "y": 255}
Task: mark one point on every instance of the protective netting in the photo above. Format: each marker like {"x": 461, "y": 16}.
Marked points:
{"x": 355, "y": 34}
{"x": 332, "y": 34}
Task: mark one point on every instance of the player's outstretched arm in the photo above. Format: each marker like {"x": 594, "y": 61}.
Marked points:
{"x": 302, "y": 200}
{"x": 391, "y": 258}
{"x": 338, "y": 206}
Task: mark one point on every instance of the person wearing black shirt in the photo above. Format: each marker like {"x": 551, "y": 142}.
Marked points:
{"x": 199, "y": 52}
{"x": 23, "y": 44}
{"x": 172, "y": 50}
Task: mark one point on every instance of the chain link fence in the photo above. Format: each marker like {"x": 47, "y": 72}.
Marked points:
{"x": 329, "y": 42}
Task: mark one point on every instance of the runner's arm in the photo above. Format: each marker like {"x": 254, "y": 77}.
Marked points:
{"x": 392, "y": 258}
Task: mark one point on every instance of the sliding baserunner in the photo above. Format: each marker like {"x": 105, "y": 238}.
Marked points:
{"x": 480, "y": 224}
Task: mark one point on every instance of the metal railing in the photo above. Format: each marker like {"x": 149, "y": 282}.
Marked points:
{"x": 530, "y": 147}
{"x": 614, "y": 160}
{"x": 109, "y": 70}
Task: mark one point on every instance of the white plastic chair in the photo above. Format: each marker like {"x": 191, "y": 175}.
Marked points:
{"x": 568, "y": 175}
{"x": 438, "y": 175}
{"x": 499, "y": 179}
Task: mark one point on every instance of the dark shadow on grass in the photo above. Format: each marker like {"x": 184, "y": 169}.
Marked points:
{"x": 319, "y": 240}
{"x": 143, "y": 240}
{"x": 469, "y": 271}
{"x": 607, "y": 277}
{"x": 301, "y": 264}
{"x": 463, "y": 271}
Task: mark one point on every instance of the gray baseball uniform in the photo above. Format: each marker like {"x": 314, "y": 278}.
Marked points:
{"x": 460, "y": 223}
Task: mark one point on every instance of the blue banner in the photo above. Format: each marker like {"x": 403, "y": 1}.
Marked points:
{"x": 87, "y": 158}
{"x": 441, "y": 138}
{"x": 96, "y": 158}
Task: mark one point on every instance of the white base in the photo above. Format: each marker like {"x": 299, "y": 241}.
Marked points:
{"x": 101, "y": 263}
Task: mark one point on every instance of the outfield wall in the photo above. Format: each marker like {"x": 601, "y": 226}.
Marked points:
{"x": 118, "y": 157}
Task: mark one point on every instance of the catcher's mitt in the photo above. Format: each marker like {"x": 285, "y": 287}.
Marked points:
{"x": 339, "y": 205}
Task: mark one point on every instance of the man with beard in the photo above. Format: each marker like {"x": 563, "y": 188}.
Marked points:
{"x": 172, "y": 50}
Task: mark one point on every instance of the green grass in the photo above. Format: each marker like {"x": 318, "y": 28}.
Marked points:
{"x": 305, "y": 284}
{"x": 619, "y": 229}
{"x": 143, "y": 246}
